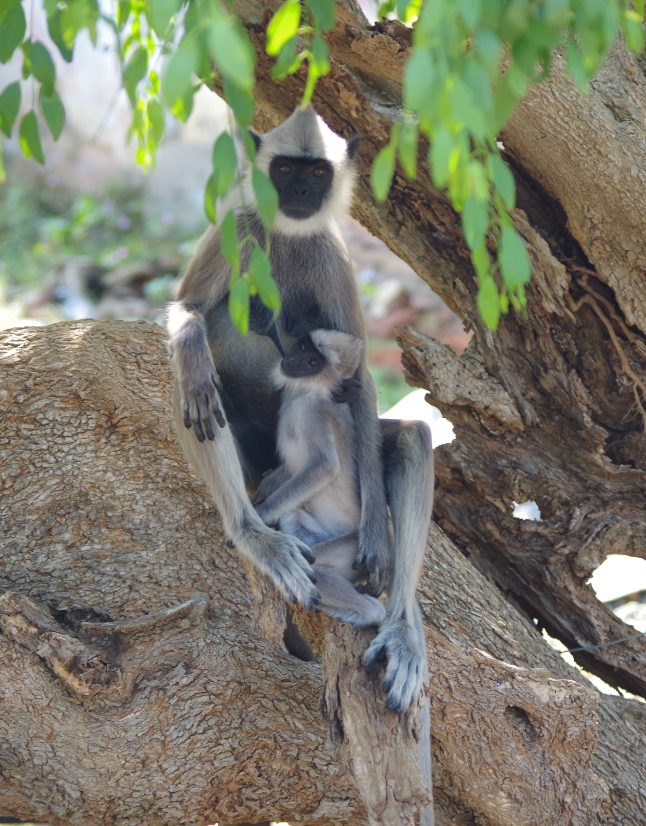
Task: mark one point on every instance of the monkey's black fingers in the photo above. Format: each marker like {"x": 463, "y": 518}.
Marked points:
{"x": 309, "y": 556}
{"x": 208, "y": 424}
{"x": 187, "y": 415}
{"x": 375, "y": 654}
{"x": 230, "y": 544}
{"x": 219, "y": 418}
{"x": 198, "y": 431}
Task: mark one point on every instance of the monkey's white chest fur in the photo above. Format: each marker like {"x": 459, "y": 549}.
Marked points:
{"x": 316, "y": 438}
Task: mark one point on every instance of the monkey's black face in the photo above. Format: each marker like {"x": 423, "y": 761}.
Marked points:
{"x": 303, "y": 360}
{"x": 302, "y": 184}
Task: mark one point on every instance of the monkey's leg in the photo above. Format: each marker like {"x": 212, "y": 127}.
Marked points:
{"x": 409, "y": 485}
{"x": 334, "y": 577}
{"x": 282, "y": 558}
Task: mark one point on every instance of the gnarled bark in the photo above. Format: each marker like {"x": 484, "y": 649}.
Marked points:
{"x": 135, "y": 687}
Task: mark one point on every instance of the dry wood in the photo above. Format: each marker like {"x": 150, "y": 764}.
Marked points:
{"x": 136, "y": 689}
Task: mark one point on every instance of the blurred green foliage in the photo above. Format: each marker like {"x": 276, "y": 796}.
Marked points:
{"x": 41, "y": 225}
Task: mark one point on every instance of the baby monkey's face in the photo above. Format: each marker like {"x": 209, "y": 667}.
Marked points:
{"x": 303, "y": 360}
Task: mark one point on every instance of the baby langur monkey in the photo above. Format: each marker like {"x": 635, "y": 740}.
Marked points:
{"x": 314, "y": 494}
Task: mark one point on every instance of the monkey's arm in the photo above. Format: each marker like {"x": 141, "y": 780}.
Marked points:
{"x": 318, "y": 471}
{"x": 205, "y": 284}
{"x": 194, "y": 369}
{"x": 269, "y": 484}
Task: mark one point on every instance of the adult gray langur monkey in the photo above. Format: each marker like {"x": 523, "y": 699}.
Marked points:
{"x": 314, "y": 493}
{"x": 218, "y": 371}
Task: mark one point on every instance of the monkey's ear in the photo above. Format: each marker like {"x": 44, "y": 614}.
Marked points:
{"x": 346, "y": 390}
{"x": 353, "y": 145}
{"x": 256, "y": 139}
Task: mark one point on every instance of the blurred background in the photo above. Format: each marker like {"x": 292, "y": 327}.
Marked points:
{"x": 89, "y": 235}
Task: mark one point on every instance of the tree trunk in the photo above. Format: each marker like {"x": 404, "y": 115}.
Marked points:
{"x": 138, "y": 685}
{"x": 138, "y": 688}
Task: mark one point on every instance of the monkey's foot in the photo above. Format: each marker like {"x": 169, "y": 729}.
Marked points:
{"x": 403, "y": 645}
{"x": 370, "y": 613}
{"x": 285, "y": 560}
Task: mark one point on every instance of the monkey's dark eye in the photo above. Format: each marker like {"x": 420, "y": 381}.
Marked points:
{"x": 301, "y": 345}
{"x": 284, "y": 169}
{"x": 319, "y": 172}
{"x": 313, "y": 362}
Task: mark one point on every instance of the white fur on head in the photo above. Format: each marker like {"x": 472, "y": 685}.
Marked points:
{"x": 306, "y": 135}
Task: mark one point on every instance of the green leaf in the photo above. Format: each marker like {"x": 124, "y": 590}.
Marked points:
{"x": 408, "y": 9}
{"x": 287, "y": 62}
{"x": 30, "y": 138}
{"x": 557, "y": 13}
{"x": 503, "y": 181}
{"x": 56, "y": 34}
{"x": 12, "y": 32}
{"x": 576, "y": 67}
{"x": 475, "y": 221}
{"x": 239, "y": 305}
{"x": 470, "y": 11}
{"x": 386, "y": 8}
{"x": 134, "y": 72}
{"x": 9, "y": 106}
{"x": 382, "y": 171}
{"x": 232, "y": 51}
{"x": 229, "y": 241}
{"x": 54, "y": 112}
{"x": 225, "y": 163}
{"x": 420, "y": 77}
{"x": 5, "y": 5}
{"x": 210, "y": 196}
{"x": 156, "y": 119}
{"x": 440, "y": 156}
{"x": 324, "y": 12}
{"x": 407, "y": 149}
{"x": 632, "y": 28}
{"x": 178, "y": 77}
{"x": 26, "y": 62}
{"x": 488, "y": 302}
{"x": 320, "y": 58}
{"x": 266, "y": 196}
{"x": 124, "y": 7}
{"x": 160, "y": 13}
{"x": 512, "y": 259}
{"x": 240, "y": 100}
{"x": 489, "y": 47}
{"x": 466, "y": 110}
{"x": 260, "y": 274}
{"x": 283, "y": 25}
{"x": 77, "y": 15}
{"x": 42, "y": 67}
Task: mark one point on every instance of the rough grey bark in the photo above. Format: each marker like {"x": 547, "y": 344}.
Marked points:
{"x": 135, "y": 687}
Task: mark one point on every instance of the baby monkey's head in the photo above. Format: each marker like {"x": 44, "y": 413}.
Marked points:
{"x": 323, "y": 362}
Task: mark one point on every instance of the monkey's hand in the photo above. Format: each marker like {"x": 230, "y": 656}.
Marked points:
{"x": 374, "y": 556}
{"x": 201, "y": 403}
{"x": 269, "y": 484}
{"x": 285, "y": 559}
{"x": 403, "y": 644}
